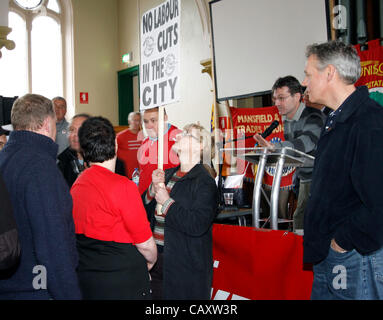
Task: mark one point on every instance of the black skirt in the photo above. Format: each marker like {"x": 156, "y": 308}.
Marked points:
{"x": 111, "y": 270}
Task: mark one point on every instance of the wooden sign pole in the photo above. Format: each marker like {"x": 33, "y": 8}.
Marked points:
{"x": 160, "y": 141}
{"x": 161, "y": 138}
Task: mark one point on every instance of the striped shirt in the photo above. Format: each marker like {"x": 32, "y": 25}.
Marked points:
{"x": 302, "y": 133}
{"x": 159, "y": 227}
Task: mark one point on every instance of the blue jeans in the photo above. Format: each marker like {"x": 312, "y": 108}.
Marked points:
{"x": 349, "y": 276}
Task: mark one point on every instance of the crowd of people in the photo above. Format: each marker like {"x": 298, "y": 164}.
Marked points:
{"x": 82, "y": 229}
{"x": 83, "y": 222}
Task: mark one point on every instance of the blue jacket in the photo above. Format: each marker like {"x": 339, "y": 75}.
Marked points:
{"x": 346, "y": 200}
{"x": 43, "y": 212}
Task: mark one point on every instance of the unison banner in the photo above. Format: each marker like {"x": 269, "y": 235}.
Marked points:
{"x": 160, "y": 55}
{"x": 371, "y": 61}
{"x": 249, "y": 121}
{"x": 258, "y": 264}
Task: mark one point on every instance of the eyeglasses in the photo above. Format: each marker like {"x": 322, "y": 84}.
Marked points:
{"x": 281, "y": 98}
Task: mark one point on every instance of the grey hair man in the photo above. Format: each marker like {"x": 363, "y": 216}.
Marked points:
{"x": 343, "y": 222}
{"x": 60, "y": 106}
{"x": 42, "y": 206}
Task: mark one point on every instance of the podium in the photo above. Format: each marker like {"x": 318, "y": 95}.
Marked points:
{"x": 278, "y": 158}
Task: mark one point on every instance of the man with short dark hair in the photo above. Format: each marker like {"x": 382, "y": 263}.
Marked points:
{"x": 344, "y": 216}
{"x": 302, "y": 126}
{"x": 62, "y": 125}
{"x": 42, "y": 206}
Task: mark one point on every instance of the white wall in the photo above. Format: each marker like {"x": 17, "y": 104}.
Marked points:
{"x": 261, "y": 42}
{"x": 96, "y": 56}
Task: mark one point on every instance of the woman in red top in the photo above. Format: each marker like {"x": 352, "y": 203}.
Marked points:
{"x": 114, "y": 240}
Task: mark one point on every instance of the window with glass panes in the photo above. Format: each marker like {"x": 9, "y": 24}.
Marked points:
{"x": 37, "y": 64}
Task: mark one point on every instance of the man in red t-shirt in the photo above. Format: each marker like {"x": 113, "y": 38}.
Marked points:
{"x": 129, "y": 141}
{"x": 147, "y": 154}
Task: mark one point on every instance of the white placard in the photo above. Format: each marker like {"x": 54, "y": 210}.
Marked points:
{"x": 160, "y": 55}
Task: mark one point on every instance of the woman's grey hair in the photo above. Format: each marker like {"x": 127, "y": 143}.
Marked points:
{"x": 207, "y": 141}
{"x": 343, "y": 57}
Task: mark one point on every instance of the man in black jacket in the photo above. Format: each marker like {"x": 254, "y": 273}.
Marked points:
{"x": 343, "y": 223}
{"x": 70, "y": 161}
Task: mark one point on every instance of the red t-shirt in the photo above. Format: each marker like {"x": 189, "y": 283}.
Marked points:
{"x": 108, "y": 207}
{"x": 128, "y": 144}
{"x": 148, "y": 158}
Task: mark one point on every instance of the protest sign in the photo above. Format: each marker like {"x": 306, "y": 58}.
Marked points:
{"x": 160, "y": 55}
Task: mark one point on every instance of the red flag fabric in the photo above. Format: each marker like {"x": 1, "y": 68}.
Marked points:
{"x": 259, "y": 264}
{"x": 371, "y": 61}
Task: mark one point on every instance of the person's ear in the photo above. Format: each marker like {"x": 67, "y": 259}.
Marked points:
{"x": 46, "y": 127}
{"x": 297, "y": 97}
{"x": 330, "y": 72}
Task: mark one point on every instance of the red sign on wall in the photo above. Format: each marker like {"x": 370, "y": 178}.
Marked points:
{"x": 84, "y": 98}
{"x": 247, "y": 122}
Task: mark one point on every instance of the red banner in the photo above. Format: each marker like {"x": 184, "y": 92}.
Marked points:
{"x": 258, "y": 264}
{"x": 371, "y": 61}
{"x": 249, "y": 121}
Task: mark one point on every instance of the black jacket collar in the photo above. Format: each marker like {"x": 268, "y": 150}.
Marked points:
{"x": 34, "y": 140}
{"x": 193, "y": 173}
{"x": 352, "y": 103}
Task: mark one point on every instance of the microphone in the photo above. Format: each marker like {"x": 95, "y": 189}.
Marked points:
{"x": 264, "y": 134}
{"x": 233, "y": 140}
{"x": 270, "y": 129}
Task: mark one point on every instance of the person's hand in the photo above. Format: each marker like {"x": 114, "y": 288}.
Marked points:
{"x": 158, "y": 179}
{"x": 262, "y": 142}
{"x": 162, "y": 195}
{"x": 336, "y": 247}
